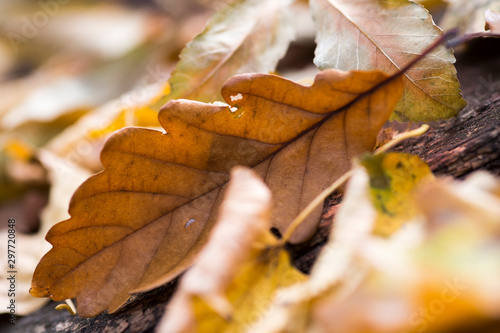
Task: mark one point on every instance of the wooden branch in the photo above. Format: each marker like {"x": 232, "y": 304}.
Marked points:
{"x": 467, "y": 145}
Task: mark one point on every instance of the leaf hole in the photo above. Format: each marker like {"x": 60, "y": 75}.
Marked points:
{"x": 276, "y": 232}
{"x": 236, "y": 97}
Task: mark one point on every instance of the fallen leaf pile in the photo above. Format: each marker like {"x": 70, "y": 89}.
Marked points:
{"x": 186, "y": 166}
{"x": 289, "y": 141}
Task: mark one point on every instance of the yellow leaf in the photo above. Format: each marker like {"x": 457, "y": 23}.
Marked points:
{"x": 81, "y": 142}
{"x": 432, "y": 4}
{"x": 145, "y": 217}
{"x": 386, "y": 35}
{"x": 460, "y": 262}
{"x": 18, "y": 150}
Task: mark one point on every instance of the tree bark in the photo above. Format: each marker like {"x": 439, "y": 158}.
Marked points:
{"x": 453, "y": 147}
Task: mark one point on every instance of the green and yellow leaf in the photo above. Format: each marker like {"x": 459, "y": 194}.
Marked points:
{"x": 386, "y": 35}
{"x": 393, "y": 178}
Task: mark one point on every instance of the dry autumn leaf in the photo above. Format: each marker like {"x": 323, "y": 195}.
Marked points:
{"x": 386, "y": 35}
{"x": 245, "y": 37}
{"x": 492, "y": 20}
{"x": 238, "y": 271}
{"x": 467, "y": 15}
{"x": 143, "y": 219}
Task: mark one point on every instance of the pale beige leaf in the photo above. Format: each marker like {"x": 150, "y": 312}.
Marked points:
{"x": 468, "y": 15}
{"x": 100, "y": 29}
{"x": 292, "y": 311}
{"x": 247, "y": 36}
{"x": 476, "y": 199}
{"x": 492, "y": 21}
{"x": 65, "y": 179}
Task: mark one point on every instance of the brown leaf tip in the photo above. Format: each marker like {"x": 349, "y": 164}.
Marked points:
{"x": 39, "y": 292}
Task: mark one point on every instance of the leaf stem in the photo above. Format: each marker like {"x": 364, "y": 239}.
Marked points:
{"x": 313, "y": 204}
{"x": 403, "y": 136}
{"x": 458, "y": 40}
{"x": 69, "y": 306}
{"x": 342, "y": 179}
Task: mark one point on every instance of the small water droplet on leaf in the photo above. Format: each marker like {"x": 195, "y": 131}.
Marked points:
{"x": 189, "y": 222}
